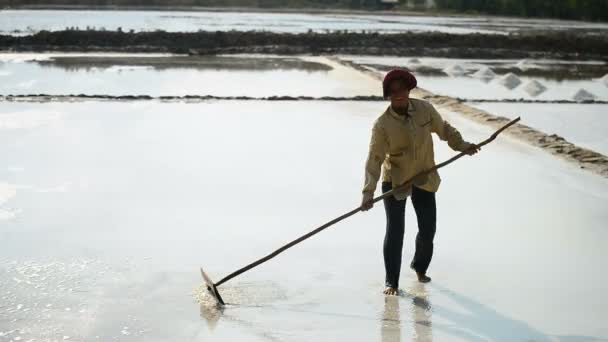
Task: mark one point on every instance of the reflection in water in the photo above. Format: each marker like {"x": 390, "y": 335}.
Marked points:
{"x": 211, "y": 314}
{"x": 391, "y": 323}
{"x": 127, "y": 63}
{"x": 421, "y": 313}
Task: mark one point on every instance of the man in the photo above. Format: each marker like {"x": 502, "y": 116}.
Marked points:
{"x": 402, "y": 143}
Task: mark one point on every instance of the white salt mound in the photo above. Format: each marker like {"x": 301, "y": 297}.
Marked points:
{"x": 583, "y": 95}
{"x": 523, "y": 64}
{"x": 484, "y": 72}
{"x": 605, "y": 80}
{"x": 454, "y": 70}
{"x": 534, "y": 88}
{"x": 510, "y": 81}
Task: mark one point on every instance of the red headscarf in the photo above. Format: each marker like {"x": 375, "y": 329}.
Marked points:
{"x": 396, "y": 74}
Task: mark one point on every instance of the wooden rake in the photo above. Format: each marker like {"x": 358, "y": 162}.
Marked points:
{"x": 212, "y": 287}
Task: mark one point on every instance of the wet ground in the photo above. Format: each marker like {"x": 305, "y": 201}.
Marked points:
{"x": 108, "y": 209}
{"x": 31, "y": 21}
{"x": 135, "y": 196}
{"x": 582, "y": 124}
{"x": 134, "y": 75}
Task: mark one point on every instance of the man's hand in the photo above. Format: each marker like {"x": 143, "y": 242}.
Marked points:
{"x": 367, "y": 204}
{"x": 472, "y": 149}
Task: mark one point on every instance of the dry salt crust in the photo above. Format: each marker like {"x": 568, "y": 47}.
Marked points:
{"x": 605, "y": 80}
{"x": 554, "y": 144}
{"x": 46, "y": 293}
{"x": 58, "y": 300}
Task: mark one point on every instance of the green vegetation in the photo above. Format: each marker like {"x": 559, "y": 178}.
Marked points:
{"x": 563, "y": 9}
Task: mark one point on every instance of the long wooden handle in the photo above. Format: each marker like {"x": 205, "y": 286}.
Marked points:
{"x": 406, "y": 185}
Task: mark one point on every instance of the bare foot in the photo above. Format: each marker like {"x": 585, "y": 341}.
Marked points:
{"x": 423, "y": 278}
{"x": 391, "y": 291}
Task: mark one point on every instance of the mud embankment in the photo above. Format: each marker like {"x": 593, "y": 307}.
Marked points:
{"x": 556, "y": 45}
{"x": 177, "y": 98}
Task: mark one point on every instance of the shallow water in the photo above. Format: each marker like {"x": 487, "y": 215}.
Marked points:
{"x": 582, "y": 124}
{"x": 30, "y": 21}
{"x": 117, "y": 204}
{"x": 248, "y": 75}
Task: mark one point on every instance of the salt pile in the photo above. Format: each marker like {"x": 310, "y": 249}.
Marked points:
{"x": 524, "y": 64}
{"x": 605, "y": 80}
{"x": 510, "y": 81}
{"x": 583, "y": 95}
{"x": 484, "y": 73}
{"x": 454, "y": 70}
{"x": 535, "y": 88}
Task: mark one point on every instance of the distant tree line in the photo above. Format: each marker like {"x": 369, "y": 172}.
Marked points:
{"x": 203, "y": 3}
{"x": 561, "y": 45}
{"x": 563, "y": 9}
{"x": 596, "y": 10}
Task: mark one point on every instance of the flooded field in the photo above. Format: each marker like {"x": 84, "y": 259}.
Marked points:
{"x": 108, "y": 208}
{"x": 31, "y": 21}
{"x": 106, "y": 241}
{"x": 583, "y": 124}
{"x": 158, "y": 75}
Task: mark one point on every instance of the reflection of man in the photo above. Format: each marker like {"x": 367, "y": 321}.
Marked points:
{"x": 423, "y": 326}
{"x": 402, "y": 143}
{"x": 391, "y": 323}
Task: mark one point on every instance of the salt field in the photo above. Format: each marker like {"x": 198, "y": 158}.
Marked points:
{"x": 166, "y": 75}
{"x": 582, "y": 124}
{"x": 135, "y": 196}
{"x": 108, "y": 208}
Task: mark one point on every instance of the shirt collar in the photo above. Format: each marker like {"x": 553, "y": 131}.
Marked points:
{"x": 410, "y": 110}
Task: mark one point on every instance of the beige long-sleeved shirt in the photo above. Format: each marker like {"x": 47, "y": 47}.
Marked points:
{"x": 403, "y": 146}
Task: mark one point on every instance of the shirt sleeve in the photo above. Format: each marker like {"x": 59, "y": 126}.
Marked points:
{"x": 446, "y": 132}
{"x": 378, "y": 147}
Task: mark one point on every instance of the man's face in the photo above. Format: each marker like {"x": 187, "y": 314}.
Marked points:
{"x": 399, "y": 94}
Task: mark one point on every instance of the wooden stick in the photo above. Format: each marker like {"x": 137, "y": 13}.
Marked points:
{"x": 405, "y": 186}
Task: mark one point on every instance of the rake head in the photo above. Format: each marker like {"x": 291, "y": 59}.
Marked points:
{"x": 212, "y": 289}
